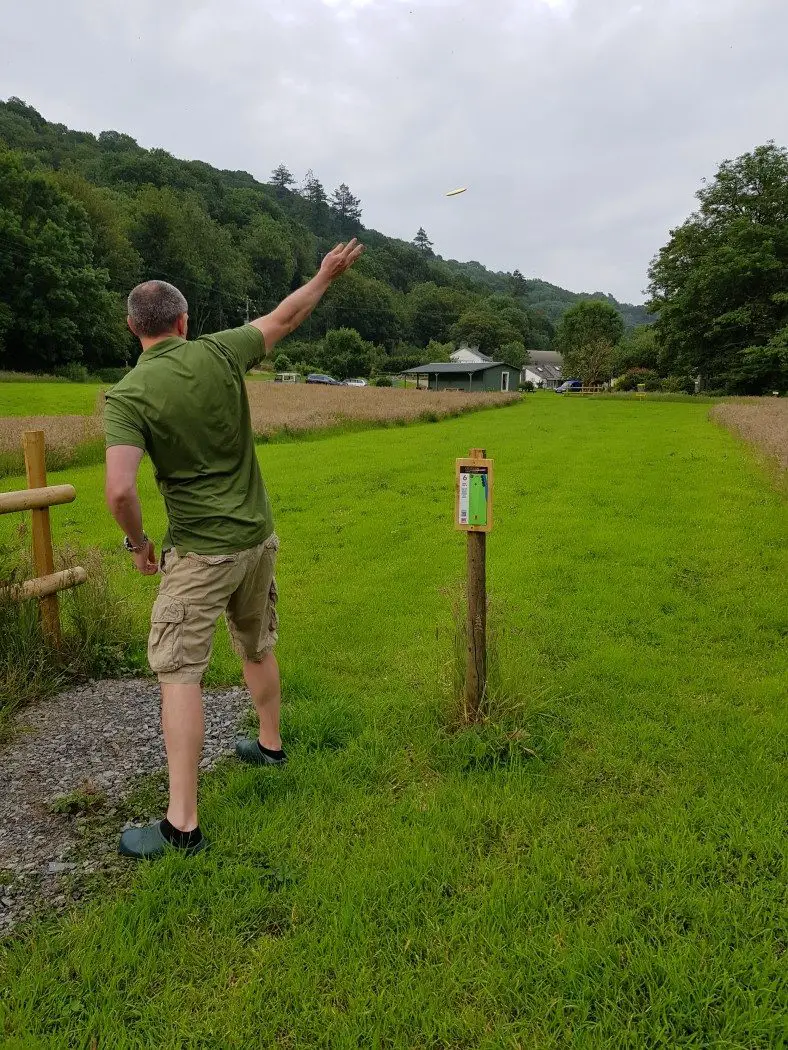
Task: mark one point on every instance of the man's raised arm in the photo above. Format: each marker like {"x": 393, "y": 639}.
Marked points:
{"x": 295, "y": 309}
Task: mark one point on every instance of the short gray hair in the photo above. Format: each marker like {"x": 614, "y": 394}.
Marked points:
{"x": 154, "y": 307}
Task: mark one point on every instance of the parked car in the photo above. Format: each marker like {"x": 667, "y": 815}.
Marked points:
{"x": 569, "y": 386}
{"x": 317, "y": 377}
{"x": 355, "y": 382}
{"x": 287, "y": 377}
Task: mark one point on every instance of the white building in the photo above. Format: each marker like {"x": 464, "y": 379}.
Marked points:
{"x": 545, "y": 370}
{"x": 469, "y": 355}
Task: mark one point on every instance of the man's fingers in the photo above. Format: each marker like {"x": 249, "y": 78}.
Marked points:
{"x": 348, "y": 260}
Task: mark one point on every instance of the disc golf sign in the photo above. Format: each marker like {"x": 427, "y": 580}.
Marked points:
{"x": 474, "y": 494}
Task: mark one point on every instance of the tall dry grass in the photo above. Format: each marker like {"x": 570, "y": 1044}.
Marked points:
{"x": 277, "y": 407}
{"x": 62, "y": 432}
{"x": 761, "y": 421}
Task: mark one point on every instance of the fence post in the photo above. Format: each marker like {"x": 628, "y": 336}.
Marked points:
{"x": 476, "y": 663}
{"x": 474, "y": 516}
{"x": 43, "y": 556}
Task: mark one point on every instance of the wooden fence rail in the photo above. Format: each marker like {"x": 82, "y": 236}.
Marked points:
{"x": 38, "y": 497}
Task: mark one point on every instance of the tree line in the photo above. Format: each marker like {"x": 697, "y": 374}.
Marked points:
{"x": 84, "y": 217}
{"x": 718, "y": 289}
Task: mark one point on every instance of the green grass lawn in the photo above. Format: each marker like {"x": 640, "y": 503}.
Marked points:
{"x": 48, "y": 399}
{"x": 602, "y": 865}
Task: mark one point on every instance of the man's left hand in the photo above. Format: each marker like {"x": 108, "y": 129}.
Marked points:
{"x": 145, "y": 560}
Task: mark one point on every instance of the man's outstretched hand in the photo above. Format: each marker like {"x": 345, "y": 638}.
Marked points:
{"x": 340, "y": 259}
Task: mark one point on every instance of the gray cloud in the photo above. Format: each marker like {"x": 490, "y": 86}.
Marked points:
{"x": 581, "y": 127}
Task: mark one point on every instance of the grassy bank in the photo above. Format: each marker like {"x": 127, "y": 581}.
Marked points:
{"x": 57, "y": 398}
{"x": 601, "y": 865}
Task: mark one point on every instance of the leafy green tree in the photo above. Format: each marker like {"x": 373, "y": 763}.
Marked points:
{"x": 430, "y": 312}
{"x": 637, "y": 349}
{"x": 719, "y": 285}
{"x": 514, "y": 353}
{"x": 519, "y": 284}
{"x": 422, "y": 242}
{"x": 486, "y": 328}
{"x": 314, "y": 194}
{"x": 282, "y": 363}
{"x": 282, "y": 180}
{"x": 180, "y": 243}
{"x": 55, "y": 304}
{"x": 436, "y": 351}
{"x": 107, "y": 214}
{"x": 272, "y": 260}
{"x": 347, "y": 208}
{"x": 765, "y": 368}
{"x": 361, "y": 303}
{"x": 586, "y": 336}
{"x": 395, "y": 262}
{"x": 344, "y": 354}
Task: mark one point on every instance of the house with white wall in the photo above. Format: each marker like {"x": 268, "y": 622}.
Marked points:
{"x": 469, "y": 355}
{"x": 545, "y": 369}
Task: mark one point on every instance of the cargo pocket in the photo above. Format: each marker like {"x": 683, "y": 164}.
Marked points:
{"x": 165, "y": 642}
{"x": 273, "y": 615}
{"x": 212, "y": 559}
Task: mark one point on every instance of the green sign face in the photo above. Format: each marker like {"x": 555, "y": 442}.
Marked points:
{"x": 478, "y": 499}
{"x": 474, "y": 495}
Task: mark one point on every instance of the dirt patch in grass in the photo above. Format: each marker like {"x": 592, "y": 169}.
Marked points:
{"x": 760, "y": 420}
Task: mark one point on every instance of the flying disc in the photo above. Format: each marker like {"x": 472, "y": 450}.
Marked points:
{"x": 453, "y": 193}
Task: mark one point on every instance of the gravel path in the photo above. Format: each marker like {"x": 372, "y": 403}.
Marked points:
{"x": 96, "y": 740}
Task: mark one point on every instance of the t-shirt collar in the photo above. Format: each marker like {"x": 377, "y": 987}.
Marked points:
{"x": 162, "y": 346}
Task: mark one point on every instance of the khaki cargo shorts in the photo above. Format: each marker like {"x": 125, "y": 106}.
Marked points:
{"x": 195, "y": 590}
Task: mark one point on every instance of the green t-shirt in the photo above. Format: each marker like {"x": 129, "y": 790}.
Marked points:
{"x": 185, "y": 404}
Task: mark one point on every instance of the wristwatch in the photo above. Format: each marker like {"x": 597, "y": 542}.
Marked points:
{"x": 135, "y": 549}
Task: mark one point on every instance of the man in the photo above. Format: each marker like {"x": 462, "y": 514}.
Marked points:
{"x": 185, "y": 404}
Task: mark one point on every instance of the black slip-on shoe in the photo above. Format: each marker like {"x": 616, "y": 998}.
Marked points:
{"x": 148, "y": 842}
{"x": 250, "y": 751}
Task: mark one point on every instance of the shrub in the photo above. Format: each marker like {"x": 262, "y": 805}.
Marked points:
{"x": 679, "y": 385}
{"x": 343, "y": 353}
{"x": 632, "y": 379}
{"x": 282, "y": 363}
{"x": 527, "y": 387}
{"x": 383, "y": 381}
{"x": 111, "y": 375}
{"x": 98, "y": 635}
{"x": 73, "y": 372}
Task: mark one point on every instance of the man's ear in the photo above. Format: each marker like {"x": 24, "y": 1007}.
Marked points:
{"x": 182, "y": 325}
{"x": 130, "y": 326}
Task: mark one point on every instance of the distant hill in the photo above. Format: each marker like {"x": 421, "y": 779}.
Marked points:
{"x": 547, "y": 298}
{"x": 84, "y": 217}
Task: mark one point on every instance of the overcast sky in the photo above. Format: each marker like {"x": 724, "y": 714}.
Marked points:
{"x": 582, "y": 128}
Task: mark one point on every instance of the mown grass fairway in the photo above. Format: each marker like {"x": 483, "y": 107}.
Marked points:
{"x": 600, "y": 866}
{"x": 49, "y": 399}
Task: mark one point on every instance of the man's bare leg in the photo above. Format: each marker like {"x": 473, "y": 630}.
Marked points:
{"x": 183, "y": 724}
{"x": 262, "y": 680}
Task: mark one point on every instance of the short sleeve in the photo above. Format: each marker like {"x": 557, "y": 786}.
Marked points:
{"x": 122, "y": 425}
{"x": 246, "y": 344}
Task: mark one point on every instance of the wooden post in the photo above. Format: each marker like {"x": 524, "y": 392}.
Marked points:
{"x": 476, "y": 663}
{"x": 43, "y": 557}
